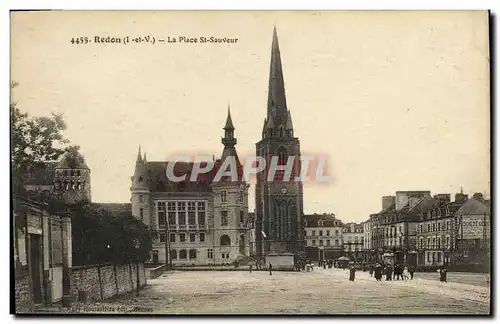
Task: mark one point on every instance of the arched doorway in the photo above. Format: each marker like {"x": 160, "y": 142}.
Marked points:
{"x": 242, "y": 244}
{"x": 225, "y": 240}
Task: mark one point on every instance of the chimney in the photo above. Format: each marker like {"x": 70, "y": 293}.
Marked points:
{"x": 387, "y": 201}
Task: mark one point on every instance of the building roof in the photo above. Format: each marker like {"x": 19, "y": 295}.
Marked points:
{"x": 328, "y": 220}
{"x": 158, "y": 182}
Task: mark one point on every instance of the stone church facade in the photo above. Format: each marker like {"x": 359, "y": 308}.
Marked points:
{"x": 279, "y": 224}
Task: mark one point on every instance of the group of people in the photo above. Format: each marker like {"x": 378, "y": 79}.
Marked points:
{"x": 395, "y": 272}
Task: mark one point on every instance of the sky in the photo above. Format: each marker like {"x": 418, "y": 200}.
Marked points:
{"x": 394, "y": 100}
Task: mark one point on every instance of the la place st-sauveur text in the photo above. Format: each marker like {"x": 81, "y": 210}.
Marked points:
{"x": 152, "y": 39}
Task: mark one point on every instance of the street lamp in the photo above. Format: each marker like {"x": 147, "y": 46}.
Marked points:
{"x": 137, "y": 245}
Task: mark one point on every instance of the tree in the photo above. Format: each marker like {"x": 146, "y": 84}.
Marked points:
{"x": 100, "y": 236}
{"x": 34, "y": 140}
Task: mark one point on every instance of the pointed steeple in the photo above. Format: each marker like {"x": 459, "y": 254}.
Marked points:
{"x": 289, "y": 125}
{"x": 145, "y": 160}
{"x": 270, "y": 122}
{"x": 139, "y": 158}
{"x": 276, "y": 102}
{"x": 229, "y": 122}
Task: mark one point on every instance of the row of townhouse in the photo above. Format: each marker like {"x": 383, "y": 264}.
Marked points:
{"x": 416, "y": 228}
{"x": 329, "y": 238}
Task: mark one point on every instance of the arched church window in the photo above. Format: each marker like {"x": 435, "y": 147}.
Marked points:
{"x": 281, "y": 131}
{"x": 225, "y": 240}
{"x": 282, "y": 156}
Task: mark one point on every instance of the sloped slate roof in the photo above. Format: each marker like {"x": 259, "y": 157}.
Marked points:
{"x": 328, "y": 220}
{"x": 158, "y": 182}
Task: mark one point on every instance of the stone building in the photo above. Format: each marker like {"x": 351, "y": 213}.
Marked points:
{"x": 67, "y": 179}
{"x": 198, "y": 222}
{"x": 353, "y": 241}
{"x": 420, "y": 229}
{"x": 324, "y": 233}
{"x": 42, "y": 255}
{"x": 279, "y": 204}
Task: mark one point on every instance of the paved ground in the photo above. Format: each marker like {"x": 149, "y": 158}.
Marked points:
{"x": 322, "y": 291}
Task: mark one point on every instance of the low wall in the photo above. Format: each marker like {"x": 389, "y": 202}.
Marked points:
{"x": 98, "y": 282}
{"x": 156, "y": 271}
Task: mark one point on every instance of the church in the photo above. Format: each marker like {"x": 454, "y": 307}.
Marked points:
{"x": 204, "y": 222}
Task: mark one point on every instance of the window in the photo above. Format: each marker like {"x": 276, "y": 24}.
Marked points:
{"x": 242, "y": 197}
{"x": 171, "y": 213}
{"x": 161, "y": 213}
{"x": 433, "y": 243}
{"x": 438, "y": 257}
{"x": 172, "y": 237}
{"x": 225, "y": 255}
{"x": 192, "y": 254}
{"x": 327, "y": 242}
{"x": 173, "y": 254}
{"x": 320, "y": 242}
{"x": 320, "y": 233}
{"x": 313, "y": 233}
{"x": 433, "y": 227}
{"x": 433, "y": 256}
{"x": 429, "y": 257}
{"x": 428, "y": 242}
{"x": 313, "y": 242}
{"x": 202, "y": 237}
{"x": 439, "y": 243}
{"x": 327, "y": 233}
{"x": 140, "y": 198}
{"x": 141, "y": 213}
{"x": 336, "y": 242}
{"x": 191, "y": 213}
{"x": 182, "y": 237}
{"x": 182, "y": 254}
{"x": 223, "y": 218}
{"x": 162, "y": 237}
{"x": 192, "y": 237}
{"x": 223, "y": 196}
{"x": 181, "y": 212}
{"x": 421, "y": 228}
{"x": 448, "y": 242}
{"x": 422, "y": 243}
{"x": 448, "y": 225}
{"x": 428, "y": 227}
{"x": 336, "y": 232}
{"x": 210, "y": 253}
{"x": 439, "y": 227}
{"x": 201, "y": 213}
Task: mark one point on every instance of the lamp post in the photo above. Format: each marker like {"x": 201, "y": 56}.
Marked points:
{"x": 137, "y": 245}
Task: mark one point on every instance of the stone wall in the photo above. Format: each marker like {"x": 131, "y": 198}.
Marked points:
{"x": 97, "y": 282}
{"x": 24, "y": 301}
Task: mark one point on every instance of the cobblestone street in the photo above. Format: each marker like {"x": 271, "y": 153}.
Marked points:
{"x": 322, "y": 291}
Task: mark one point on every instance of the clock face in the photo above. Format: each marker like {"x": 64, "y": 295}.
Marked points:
{"x": 283, "y": 190}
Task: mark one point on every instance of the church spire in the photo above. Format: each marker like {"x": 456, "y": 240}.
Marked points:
{"x": 139, "y": 158}
{"x": 229, "y": 122}
{"x": 276, "y": 102}
{"x": 289, "y": 125}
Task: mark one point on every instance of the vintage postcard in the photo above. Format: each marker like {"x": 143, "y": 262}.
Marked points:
{"x": 250, "y": 162}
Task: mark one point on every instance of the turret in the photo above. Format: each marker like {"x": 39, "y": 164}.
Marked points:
{"x": 140, "y": 193}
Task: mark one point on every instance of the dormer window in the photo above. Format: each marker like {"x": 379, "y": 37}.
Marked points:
{"x": 320, "y": 223}
{"x": 140, "y": 198}
{"x": 223, "y": 196}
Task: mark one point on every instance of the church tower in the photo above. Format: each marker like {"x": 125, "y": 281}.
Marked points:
{"x": 230, "y": 204}
{"x": 72, "y": 178}
{"x": 140, "y": 193}
{"x": 279, "y": 204}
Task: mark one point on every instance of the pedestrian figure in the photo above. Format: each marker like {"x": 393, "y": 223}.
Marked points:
{"x": 411, "y": 270}
{"x": 250, "y": 267}
{"x": 406, "y": 274}
{"x": 388, "y": 273}
{"x": 324, "y": 265}
{"x": 270, "y": 269}
{"x": 371, "y": 270}
{"x": 378, "y": 272}
{"x": 442, "y": 274}
{"x": 352, "y": 273}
